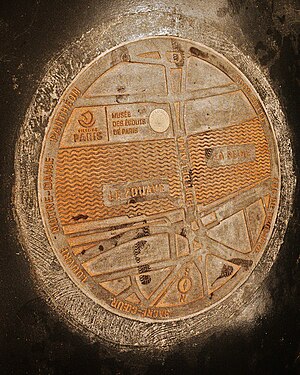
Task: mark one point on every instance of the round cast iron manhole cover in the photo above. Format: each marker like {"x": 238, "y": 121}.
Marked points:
{"x": 159, "y": 179}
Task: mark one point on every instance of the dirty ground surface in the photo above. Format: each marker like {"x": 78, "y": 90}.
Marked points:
{"x": 34, "y": 339}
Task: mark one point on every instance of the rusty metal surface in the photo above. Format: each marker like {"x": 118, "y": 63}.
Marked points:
{"x": 78, "y": 308}
{"x": 50, "y": 323}
{"x": 159, "y": 179}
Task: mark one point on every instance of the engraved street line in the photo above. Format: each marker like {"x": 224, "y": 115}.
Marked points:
{"x": 107, "y": 100}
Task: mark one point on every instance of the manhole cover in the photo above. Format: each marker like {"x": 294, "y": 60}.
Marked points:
{"x": 159, "y": 179}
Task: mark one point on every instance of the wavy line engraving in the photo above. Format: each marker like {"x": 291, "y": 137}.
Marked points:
{"x": 212, "y": 184}
{"x": 81, "y": 174}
